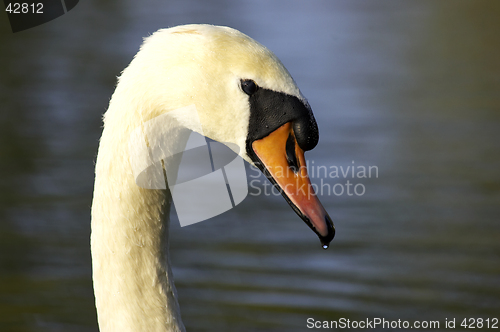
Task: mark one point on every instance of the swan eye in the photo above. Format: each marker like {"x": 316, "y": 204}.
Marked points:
{"x": 249, "y": 87}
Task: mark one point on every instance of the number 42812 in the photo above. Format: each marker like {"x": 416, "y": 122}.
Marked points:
{"x": 24, "y": 8}
{"x": 478, "y": 323}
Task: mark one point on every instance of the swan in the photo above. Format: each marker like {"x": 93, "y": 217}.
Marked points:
{"x": 244, "y": 96}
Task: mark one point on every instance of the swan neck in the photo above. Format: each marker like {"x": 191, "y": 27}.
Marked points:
{"x": 133, "y": 281}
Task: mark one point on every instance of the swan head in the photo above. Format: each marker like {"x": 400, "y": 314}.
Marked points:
{"x": 243, "y": 95}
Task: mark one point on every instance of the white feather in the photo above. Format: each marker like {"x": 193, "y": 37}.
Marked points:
{"x": 177, "y": 67}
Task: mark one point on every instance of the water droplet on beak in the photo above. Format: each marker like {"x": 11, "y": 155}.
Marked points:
{"x": 325, "y": 246}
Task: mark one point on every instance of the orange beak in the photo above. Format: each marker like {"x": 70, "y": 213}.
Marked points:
{"x": 283, "y": 162}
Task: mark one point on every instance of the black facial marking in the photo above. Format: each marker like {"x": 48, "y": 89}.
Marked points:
{"x": 249, "y": 87}
{"x": 291, "y": 156}
{"x": 269, "y": 110}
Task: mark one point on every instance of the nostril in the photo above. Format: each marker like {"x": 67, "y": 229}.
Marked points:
{"x": 291, "y": 156}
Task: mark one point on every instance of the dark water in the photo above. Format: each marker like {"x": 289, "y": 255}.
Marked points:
{"x": 412, "y": 88}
